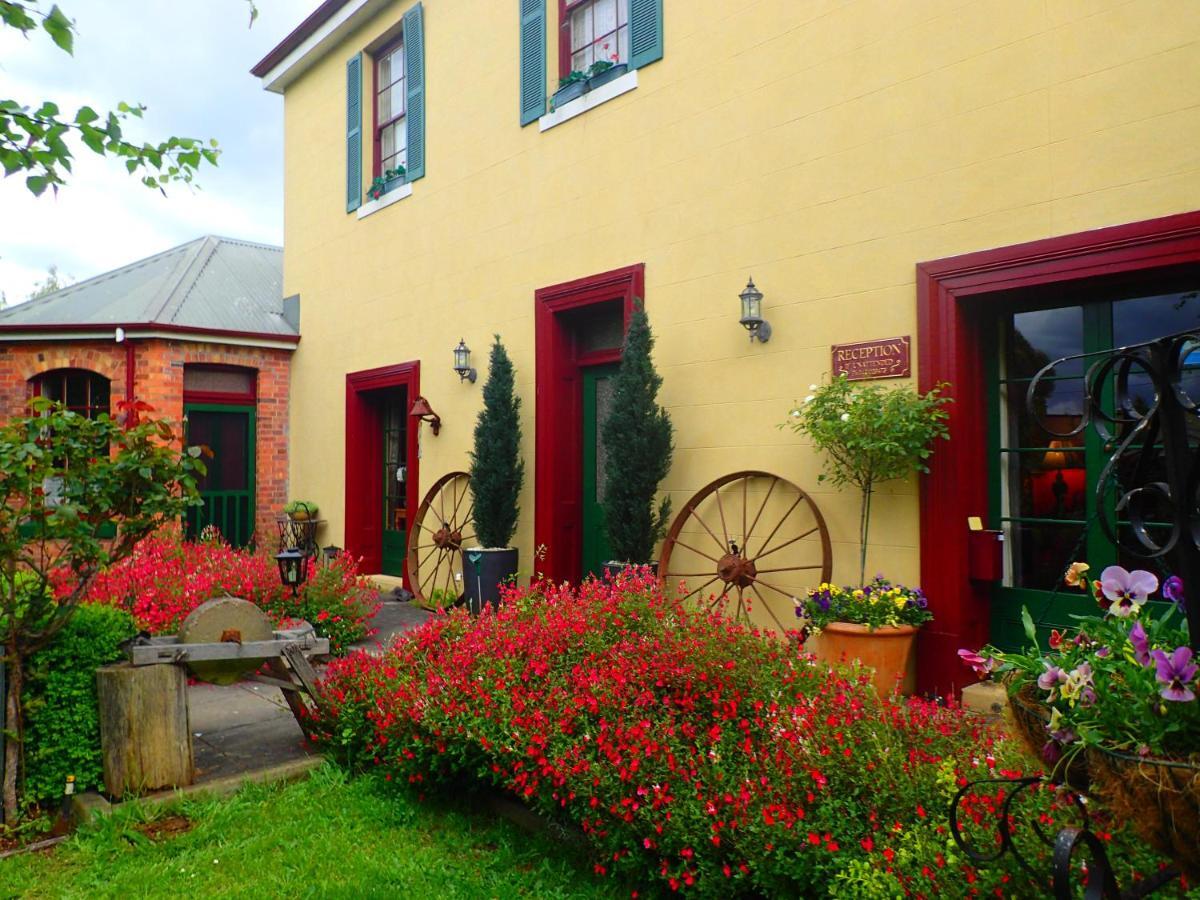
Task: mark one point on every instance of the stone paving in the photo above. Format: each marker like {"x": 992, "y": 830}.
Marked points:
{"x": 247, "y": 726}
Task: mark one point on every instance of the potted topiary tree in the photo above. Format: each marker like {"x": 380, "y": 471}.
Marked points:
{"x": 638, "y": 446}
{"x": 869, "y": 434}
{"x": 497, "y": 474}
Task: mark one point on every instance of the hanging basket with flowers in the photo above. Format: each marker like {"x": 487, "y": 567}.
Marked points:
{"x": 1118, "y": 693}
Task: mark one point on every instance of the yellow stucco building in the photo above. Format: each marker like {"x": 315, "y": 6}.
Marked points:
{"x": 991, "y": 179}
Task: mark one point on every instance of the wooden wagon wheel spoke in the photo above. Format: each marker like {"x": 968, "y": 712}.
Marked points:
{"x": 762, "y": 601}
{"x": 697, "y": 552}
{"x": 735, "y": 569}
{"x": 783, "y": 518}
{"x": 808, "y": 533}
{"x": 762, "y": 506}
{"x": 696, "y": 516}
{"x": 721, "y": 510}
{"x": 436, "y": 538}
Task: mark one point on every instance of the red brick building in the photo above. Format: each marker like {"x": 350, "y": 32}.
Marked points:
{"x": 202, "y": 334}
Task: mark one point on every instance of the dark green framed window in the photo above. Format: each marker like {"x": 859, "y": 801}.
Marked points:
{"x": 1044, "y": 480}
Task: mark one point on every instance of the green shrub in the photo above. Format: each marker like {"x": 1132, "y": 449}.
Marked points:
{"x": 62, "y": 728}
{"x": 497, "y": 471}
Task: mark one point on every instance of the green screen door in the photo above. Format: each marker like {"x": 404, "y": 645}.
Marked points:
{"x": 395, "y": 474}
{"x": 597, "y": 402}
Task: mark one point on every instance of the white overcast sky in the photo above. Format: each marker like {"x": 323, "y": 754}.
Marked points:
{"x": 189, "y": 62}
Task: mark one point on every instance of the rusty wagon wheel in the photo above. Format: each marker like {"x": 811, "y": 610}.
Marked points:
{"x": 747, "y": 541}
{"x": 444, "y": 522}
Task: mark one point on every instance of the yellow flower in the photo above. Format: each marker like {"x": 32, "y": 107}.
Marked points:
{"x": 1075, "y": 573}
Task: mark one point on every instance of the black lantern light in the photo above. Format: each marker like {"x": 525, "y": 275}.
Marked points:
{"x": 752, "y": 319}
{"x": 293, "y": 568}
{"x": 462, "y": 362}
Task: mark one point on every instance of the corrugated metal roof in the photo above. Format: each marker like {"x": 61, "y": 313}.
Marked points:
{"x": 211, "y": 282}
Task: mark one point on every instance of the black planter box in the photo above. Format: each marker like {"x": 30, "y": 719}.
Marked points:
{"x": 484, "y": 571}
{"x": 613, "y": 569}
{"x": 567, "y": 94}
{"x": 607, "y": 75}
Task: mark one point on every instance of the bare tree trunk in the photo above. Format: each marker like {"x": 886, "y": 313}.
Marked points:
{"x": 14, "y": 726}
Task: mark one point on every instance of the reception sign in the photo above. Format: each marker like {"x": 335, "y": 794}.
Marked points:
{"x": 887, "y": 358}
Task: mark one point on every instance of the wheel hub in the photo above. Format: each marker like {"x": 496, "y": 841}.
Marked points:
{"x": 735, "y": 569}
{"x": 447, "y": 538}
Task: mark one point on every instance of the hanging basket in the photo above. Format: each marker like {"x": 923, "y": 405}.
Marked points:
{"x": 1160, "y": 796}
{"x": 1029, "y": 718}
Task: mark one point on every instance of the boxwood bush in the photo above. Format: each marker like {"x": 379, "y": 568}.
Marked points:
{"x": 62, "y": 726}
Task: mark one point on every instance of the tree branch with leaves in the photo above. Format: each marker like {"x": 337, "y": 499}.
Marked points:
{"x": 36, "y": 139}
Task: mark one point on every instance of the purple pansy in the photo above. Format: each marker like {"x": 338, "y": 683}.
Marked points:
{"x": 1176, "y": 672}
{"x": 1141, "y": 644}
{"x": 1051, "y": 678}
{"x": 1127, "y": 591}
{"x": 1173, "y": 591}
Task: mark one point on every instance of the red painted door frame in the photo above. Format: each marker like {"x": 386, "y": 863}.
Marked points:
{"x": 955, "y": 298}
{"x": 364, "y": 459}
{"x": 558, "y": 474}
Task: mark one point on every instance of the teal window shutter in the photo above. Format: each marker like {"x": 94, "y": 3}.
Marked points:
{"x": 645, "y": 32}
{"x": 414, "y": 72}
{"x": 533, "y": 60}
{"x": 354, "y": 190}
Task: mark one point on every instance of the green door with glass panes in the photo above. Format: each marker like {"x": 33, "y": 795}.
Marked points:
{"x": 227, "y": 488}
{"x": 394, "y": 424}
{"x": 1043, "y": 481}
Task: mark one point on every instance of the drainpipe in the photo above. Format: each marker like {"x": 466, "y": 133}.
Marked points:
{"x": 130, "y": 375}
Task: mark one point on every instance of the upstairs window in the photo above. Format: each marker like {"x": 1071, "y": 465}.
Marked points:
{"x": 81, "y": 391}
{"x": 391, "y": 129}
{"x": 594, "y": 31}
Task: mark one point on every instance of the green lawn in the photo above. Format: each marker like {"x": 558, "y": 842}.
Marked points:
{"x": 329, "y": 836}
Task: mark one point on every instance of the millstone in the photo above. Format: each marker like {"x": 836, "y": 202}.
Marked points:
{"x": 225, "y": 619}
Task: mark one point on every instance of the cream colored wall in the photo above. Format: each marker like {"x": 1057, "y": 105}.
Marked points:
{"x": 824, "y": 147}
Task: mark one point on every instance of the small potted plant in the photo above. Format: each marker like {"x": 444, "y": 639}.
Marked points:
{"x": 876, "y": 624}
{"x": 497, "y": 473}
{"x": 301, "y": 511}
{"x": 602, "y": 71}
{"x": 570, "y": 87}
{"x": 1118, "y": 698}
{"x": 389, "y": 180}
{"x": 638, "y": 444}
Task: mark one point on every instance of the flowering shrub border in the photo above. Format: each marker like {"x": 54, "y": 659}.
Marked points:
{"x": 695, "y": 754}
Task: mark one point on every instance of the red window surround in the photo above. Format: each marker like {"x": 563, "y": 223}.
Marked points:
{"x": 956, "y": 298}
{"x": 565, "y": 8}
{"x": 398, "y": 104}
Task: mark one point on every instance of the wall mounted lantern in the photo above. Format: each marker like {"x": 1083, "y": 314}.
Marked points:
{"x": 293, "y": 568}
{"x": 752, "y": 319}
{"x": 462, "y": 362}
{"x": 424, "y": 412}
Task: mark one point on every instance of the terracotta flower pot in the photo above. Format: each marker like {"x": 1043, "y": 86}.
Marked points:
{"x": 889, "y": 651}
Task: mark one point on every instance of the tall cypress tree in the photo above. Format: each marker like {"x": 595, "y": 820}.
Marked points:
{"x": 497, "y": 471}
{"x": 638, "y": 441}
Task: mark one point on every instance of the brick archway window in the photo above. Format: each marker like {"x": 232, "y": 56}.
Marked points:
{"x": 80, "y": 390}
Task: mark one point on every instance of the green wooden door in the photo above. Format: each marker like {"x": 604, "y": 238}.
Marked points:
{"x": 597, "y": 401}
{"x": 227, "y": 491}
{"x": 1044, "y": 486}
{"x": 395, "y": 474}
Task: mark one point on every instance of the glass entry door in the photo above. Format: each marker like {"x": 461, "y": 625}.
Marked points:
{"x": 597, "y": 403}
{"x": 1044, "y": 485}
{"x": 227, "y": 491}
{"x": 394, "y": 422}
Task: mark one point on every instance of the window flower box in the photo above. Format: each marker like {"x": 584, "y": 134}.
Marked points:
{"x": 570, "y": 88}
{"x": 605, "y": 75}
{"x": 388, "y": 181}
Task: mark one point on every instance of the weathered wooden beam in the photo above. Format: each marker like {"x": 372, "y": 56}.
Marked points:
{"x": 144, "y": 734}
{"x": 155, "y": 652}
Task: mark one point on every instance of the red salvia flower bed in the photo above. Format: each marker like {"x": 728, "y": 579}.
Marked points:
{"x": 695, "y": 754}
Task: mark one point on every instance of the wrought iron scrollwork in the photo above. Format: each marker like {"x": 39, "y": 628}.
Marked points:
{"x": 1152, "y": 470}
{"x": 1060, "y": 848}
